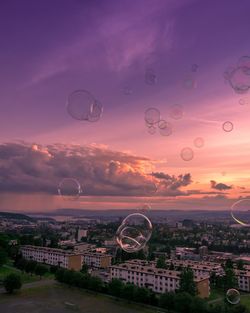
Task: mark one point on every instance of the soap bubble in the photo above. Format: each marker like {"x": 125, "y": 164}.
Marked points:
{"x": 79, "y": 104}
{"x": 165, "y": 128}
{"x": 127, "y": 91}
{"x": 187, "y": 154}
{"x": 194, "y": 68}
{"x": 176, "y": 111}
{"x": 144, "y": 208}
{"x": 152, "y": 130}
{"x": 189, "y": 82}
{"x": 152, "y": 116}
{"x": 134, "y": 232}
{"x": 244, "y": 63}
{"x": 240, "y": 212}
{"x": 233, "y": 296}
{"x": 198, "y": 142}
{"x": 243, "y": 101}
{"x": 69, "y": 188}
{"x": 227, "y": 126}
{"x": 150, "y": 77}
{"x": 95, "y": 112}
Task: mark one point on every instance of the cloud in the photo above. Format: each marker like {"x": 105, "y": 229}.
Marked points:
{"x": 170, "y": 185}
{"x": 219, "y": 186}
{"x": 34, "y": 168}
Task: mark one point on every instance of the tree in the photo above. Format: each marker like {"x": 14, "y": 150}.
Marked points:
{"x": 240, "y": 265}
{"x": 12, "y": 282}
{"x": 230, "y": 280}
{"x": 198, "y": 305}
{"x": 167, "y": 300}
{"x": 115, "y": 287}
{"x": 171, "y": 267}
{"x": 30, "y": 267}
{"x": 21, "y": 264}
{"x": 187, "y": 283}
{"x": 228, "y": 264}
{"x": 84, "y": 269}
{"x": 161, "y": 263}
{"x": 128, "y": 292}
{"x": 40, "y": 270}
{"x": 95, "y": 283}
{"x": 142, "y": 295}
{"x": 183, "y": 302}
{"x": 3, "y": 257}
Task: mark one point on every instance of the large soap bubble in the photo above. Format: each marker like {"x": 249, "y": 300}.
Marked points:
{"x": 134, "y": 232}
{"x": 152, "y": 116}
{"x": 240, "y": 212}
{"x": 69, "y": 188}
{"x": 233, "y": 296}
{"x": 82, "y": 106}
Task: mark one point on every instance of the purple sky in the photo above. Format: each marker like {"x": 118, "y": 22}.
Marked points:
{"x": 50, "y": 48}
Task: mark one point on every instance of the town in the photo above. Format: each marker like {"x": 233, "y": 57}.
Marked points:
{"x": 216, "y": 254}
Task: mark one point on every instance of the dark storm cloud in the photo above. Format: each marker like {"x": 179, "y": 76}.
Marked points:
{"x": 219, "y": 186}
{"x": 100, "y": 171}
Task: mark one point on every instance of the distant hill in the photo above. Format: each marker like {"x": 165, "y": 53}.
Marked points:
{"x": 16, "y": 216}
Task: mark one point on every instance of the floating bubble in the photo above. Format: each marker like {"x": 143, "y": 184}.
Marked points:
{"x": 199, "y": 142}
{"x": 150, "y": 77}
{"x": 165, "y": 128}
{"x": 243, "y": 101}
{"x": 240, "y": 212}
{"x": 189, "y": 82}
{"x": 152, "y": 116}
{"x": 239, "y": 80}
{"x": 233, "y": 296}
{"x": 187, "y": 154}
{"x": 144, "y": 208}
{"x": 227, "y": 126}
{"x": 176, "y": 111}
{"x": 244, "y": 63}
{"x": 95, "y": 112}
{"x": 80, "y": 104}
{"x": 69, "y": 188}
{"x": 194, "y": 68}
{"x": 127, "y": 91}
{"x": 152, "y": 130}
{"x": 134, "y": 232}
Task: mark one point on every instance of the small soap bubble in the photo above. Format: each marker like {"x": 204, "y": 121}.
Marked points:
{"x": 198, "y": 142}
{"x": 150, "y": 77}
{"x": 176, "y": 111}
{"x": 233, "y": 296}
{"x": 152, "y": 116}
{"x": 165, "y": 128}
{"x": 187, "y": 154}
{"x": 227, "y": 126}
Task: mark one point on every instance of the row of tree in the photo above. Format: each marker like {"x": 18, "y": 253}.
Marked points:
{"x": 181, "y": 302}
{"x": 31, "y": 267}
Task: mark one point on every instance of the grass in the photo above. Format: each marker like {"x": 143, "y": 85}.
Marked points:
{"x": 59, "y": 298}
{"x": 245, "y": 300}
{"x": 216, "y": 294}
{"x": 26, "y": 278}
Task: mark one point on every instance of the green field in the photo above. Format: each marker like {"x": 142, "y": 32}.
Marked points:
{"x": 58, "y": 298}
{"x": 26, "y": 278}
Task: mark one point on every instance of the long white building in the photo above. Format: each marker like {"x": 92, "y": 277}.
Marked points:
{"x": 52, "y": 256}
{"x": 156, "y": 279}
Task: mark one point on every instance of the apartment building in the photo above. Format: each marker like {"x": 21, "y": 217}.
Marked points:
{"x": 51, "y": 256}
{"x": 243, "y": 278}
{"x": 96, "y": 259}
{"x": 156, "y": 279}
{"x": 198, "y": 267}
